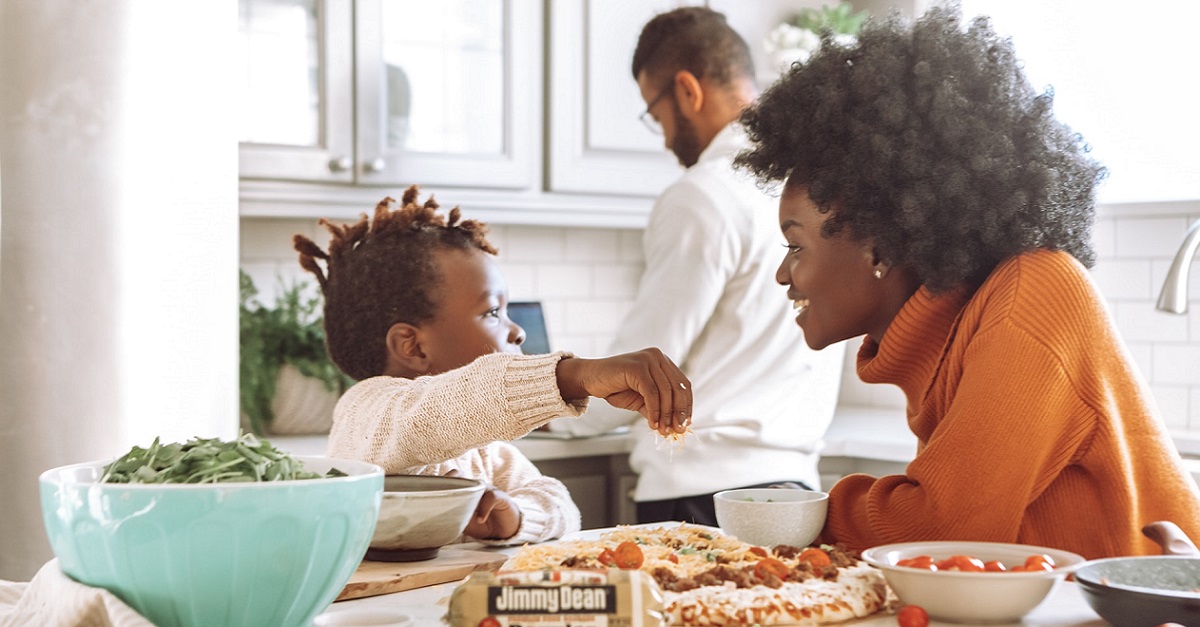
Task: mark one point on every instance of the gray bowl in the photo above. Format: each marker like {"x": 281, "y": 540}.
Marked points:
{"x": 420, "y": 514}
{"x": 1143, "y": 591}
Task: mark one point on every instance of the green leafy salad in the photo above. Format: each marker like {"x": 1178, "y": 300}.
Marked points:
{"x": 245, "y": 459}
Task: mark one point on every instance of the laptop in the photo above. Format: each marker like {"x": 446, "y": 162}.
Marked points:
{"x": 529, "y": 316}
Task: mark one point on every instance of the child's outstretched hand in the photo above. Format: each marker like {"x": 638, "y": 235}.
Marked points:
{"x": 496, "y": 517}
{"x": 645, "y": 381}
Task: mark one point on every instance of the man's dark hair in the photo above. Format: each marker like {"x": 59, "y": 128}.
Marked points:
{"x": 381, "y": 273}
{"x": 928, "y": 139}
{"x": 696, "y": 39}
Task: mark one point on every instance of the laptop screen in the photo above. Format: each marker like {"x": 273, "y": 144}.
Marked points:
{"x": 529, "y": 316}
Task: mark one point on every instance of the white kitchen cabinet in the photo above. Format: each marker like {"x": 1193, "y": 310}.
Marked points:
{"x": 392, "y": 92}
{"x": 596, "y": 144}
{"x": 520, "y": 111}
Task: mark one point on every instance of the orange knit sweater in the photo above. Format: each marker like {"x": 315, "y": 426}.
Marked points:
{"x": 1033, "y": 424}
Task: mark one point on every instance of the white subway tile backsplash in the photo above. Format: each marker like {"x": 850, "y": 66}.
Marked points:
{"x": 1177, "y": 364}
{"x": 535, "y": 243}
{"x": 521, "y": 279}
{"x": 616, "y": 280}
{"x": 1194, "y": 408}
{"x": 271, "y": 239}
{"x": 597, "y": 316}
{"x": 1141, "y": 322}
{"x": 1104, "y": 237}
{"x": 1121, "y": 279}
{"x": 555, "y": 313}
{"x": 1143, "y": 358}
{"x": 497, "y": 236}
{"x": 561, "y": 280}
{"x": 1173, "y": 403}
{"x": 631, "y": 246}
{"x": 1149, "y": 237}
{"x": 593, "y": 245}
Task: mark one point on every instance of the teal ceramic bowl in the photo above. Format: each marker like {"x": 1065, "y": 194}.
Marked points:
{"x": 269, "y": 553}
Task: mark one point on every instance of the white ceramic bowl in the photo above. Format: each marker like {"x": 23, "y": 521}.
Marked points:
{"x": 971, "y": 597}
{"x": 420, "y": 514}
{"x": 771, "y": 516}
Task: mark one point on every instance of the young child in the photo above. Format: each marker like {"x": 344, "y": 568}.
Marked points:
{"x": 415, "y": 311}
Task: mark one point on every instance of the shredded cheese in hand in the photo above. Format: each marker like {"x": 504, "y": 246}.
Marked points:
{"x": 673, "y": 441}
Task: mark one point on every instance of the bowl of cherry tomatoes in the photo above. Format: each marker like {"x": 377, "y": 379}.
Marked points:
{"x": 972, "y": 582}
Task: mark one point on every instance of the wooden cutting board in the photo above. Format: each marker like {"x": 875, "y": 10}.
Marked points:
{"x": 374, "y": 578}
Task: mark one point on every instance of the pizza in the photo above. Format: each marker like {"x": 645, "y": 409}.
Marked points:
{"x": 708, "y": 578}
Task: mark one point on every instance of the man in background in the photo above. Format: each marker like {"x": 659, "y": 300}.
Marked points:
{"x": 708, "y": 297}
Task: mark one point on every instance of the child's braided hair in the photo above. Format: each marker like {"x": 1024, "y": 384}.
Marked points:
{"x": 382, "y": 272}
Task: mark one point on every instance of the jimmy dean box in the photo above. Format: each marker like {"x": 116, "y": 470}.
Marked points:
{"x": 558, "y": 598}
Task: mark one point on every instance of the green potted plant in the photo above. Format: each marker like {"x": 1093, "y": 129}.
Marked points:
{"x": 288, "y": 385}
{"x": 796, "y": 38}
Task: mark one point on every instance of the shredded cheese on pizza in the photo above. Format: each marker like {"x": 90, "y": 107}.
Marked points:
{"x": 707, "y": 577}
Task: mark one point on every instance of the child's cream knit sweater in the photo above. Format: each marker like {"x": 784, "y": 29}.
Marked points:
{"x": 460, "y": 420}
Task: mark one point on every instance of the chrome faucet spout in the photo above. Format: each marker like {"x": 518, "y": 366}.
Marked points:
{"x": 1174, "y": 295}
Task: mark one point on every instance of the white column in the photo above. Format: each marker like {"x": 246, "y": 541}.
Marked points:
{"x": 118, "y": 239}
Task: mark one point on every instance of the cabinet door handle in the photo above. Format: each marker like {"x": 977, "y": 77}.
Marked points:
{"x": 339, "y": 164}
{"x": 374, "y": 165}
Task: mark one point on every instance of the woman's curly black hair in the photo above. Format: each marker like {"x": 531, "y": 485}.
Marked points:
{"x": 382, "y": 272}
{"x": 928, "y": 139}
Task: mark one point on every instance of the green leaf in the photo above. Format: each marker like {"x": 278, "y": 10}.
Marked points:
{"x": 208, "y": 461}
{"x": 291, "y": 332}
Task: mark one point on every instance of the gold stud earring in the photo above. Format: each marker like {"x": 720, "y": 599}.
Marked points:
{"x": 878, "y": 273}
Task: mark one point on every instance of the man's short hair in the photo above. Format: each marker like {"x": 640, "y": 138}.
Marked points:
{"x": 696, "y": 39}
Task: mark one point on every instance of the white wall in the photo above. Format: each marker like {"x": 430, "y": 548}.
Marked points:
{"x": 119, "y": 230}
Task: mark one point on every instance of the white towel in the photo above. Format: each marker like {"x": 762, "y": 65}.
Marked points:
{"x": 53, "y": 599}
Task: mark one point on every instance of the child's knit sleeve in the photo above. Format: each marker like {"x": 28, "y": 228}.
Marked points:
{"x": 547, "y": 511}
{"x": 400, "y": 423}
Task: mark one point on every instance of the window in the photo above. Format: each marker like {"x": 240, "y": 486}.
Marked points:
{"x": 1125, "y": 77}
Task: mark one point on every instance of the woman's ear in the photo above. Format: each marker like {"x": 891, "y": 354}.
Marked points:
{"x": 406, "y": 354}
{"x": 879, "y": 267}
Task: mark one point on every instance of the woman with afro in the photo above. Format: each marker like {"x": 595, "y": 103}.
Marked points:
{"x": 933, "y": 204}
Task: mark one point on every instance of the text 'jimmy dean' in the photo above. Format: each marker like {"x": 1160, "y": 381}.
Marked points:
{"x": 552, "y": 600}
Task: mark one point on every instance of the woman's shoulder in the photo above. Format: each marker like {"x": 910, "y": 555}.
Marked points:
{"x": 1043, "y": 291}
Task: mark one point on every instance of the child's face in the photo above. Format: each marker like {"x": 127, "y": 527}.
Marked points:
{"x": 472, "y": 312}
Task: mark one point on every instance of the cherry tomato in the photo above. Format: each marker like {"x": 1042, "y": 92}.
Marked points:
{"x": 607, "y": 557}
{"x": 489, "y": 622}
{"x": 994, "y": 567}
{"x": 964, "y": 563}
{"x": 629, "y": 555}
{"x": 770, "y": 566}
{"x": 912, "y": 616}
{"x": 817, "y": 558}
{"x": 759, "y": 551}
{"x": 673, "y": 558}
{"x": 923, "y": 562}
{"x": 1039, "y": 562}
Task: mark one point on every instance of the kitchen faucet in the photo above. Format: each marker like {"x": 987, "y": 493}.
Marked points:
{"x": 1174, "y": 295}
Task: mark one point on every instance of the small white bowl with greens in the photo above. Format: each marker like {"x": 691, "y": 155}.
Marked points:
{"x": 770, "y": 517}
{"x": 214, "y": 533}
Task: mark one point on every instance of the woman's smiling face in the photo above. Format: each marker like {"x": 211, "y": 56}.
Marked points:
{"x": 831, "y": 280}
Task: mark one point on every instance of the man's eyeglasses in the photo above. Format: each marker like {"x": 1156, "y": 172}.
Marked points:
{"x": 649, "y": 120}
